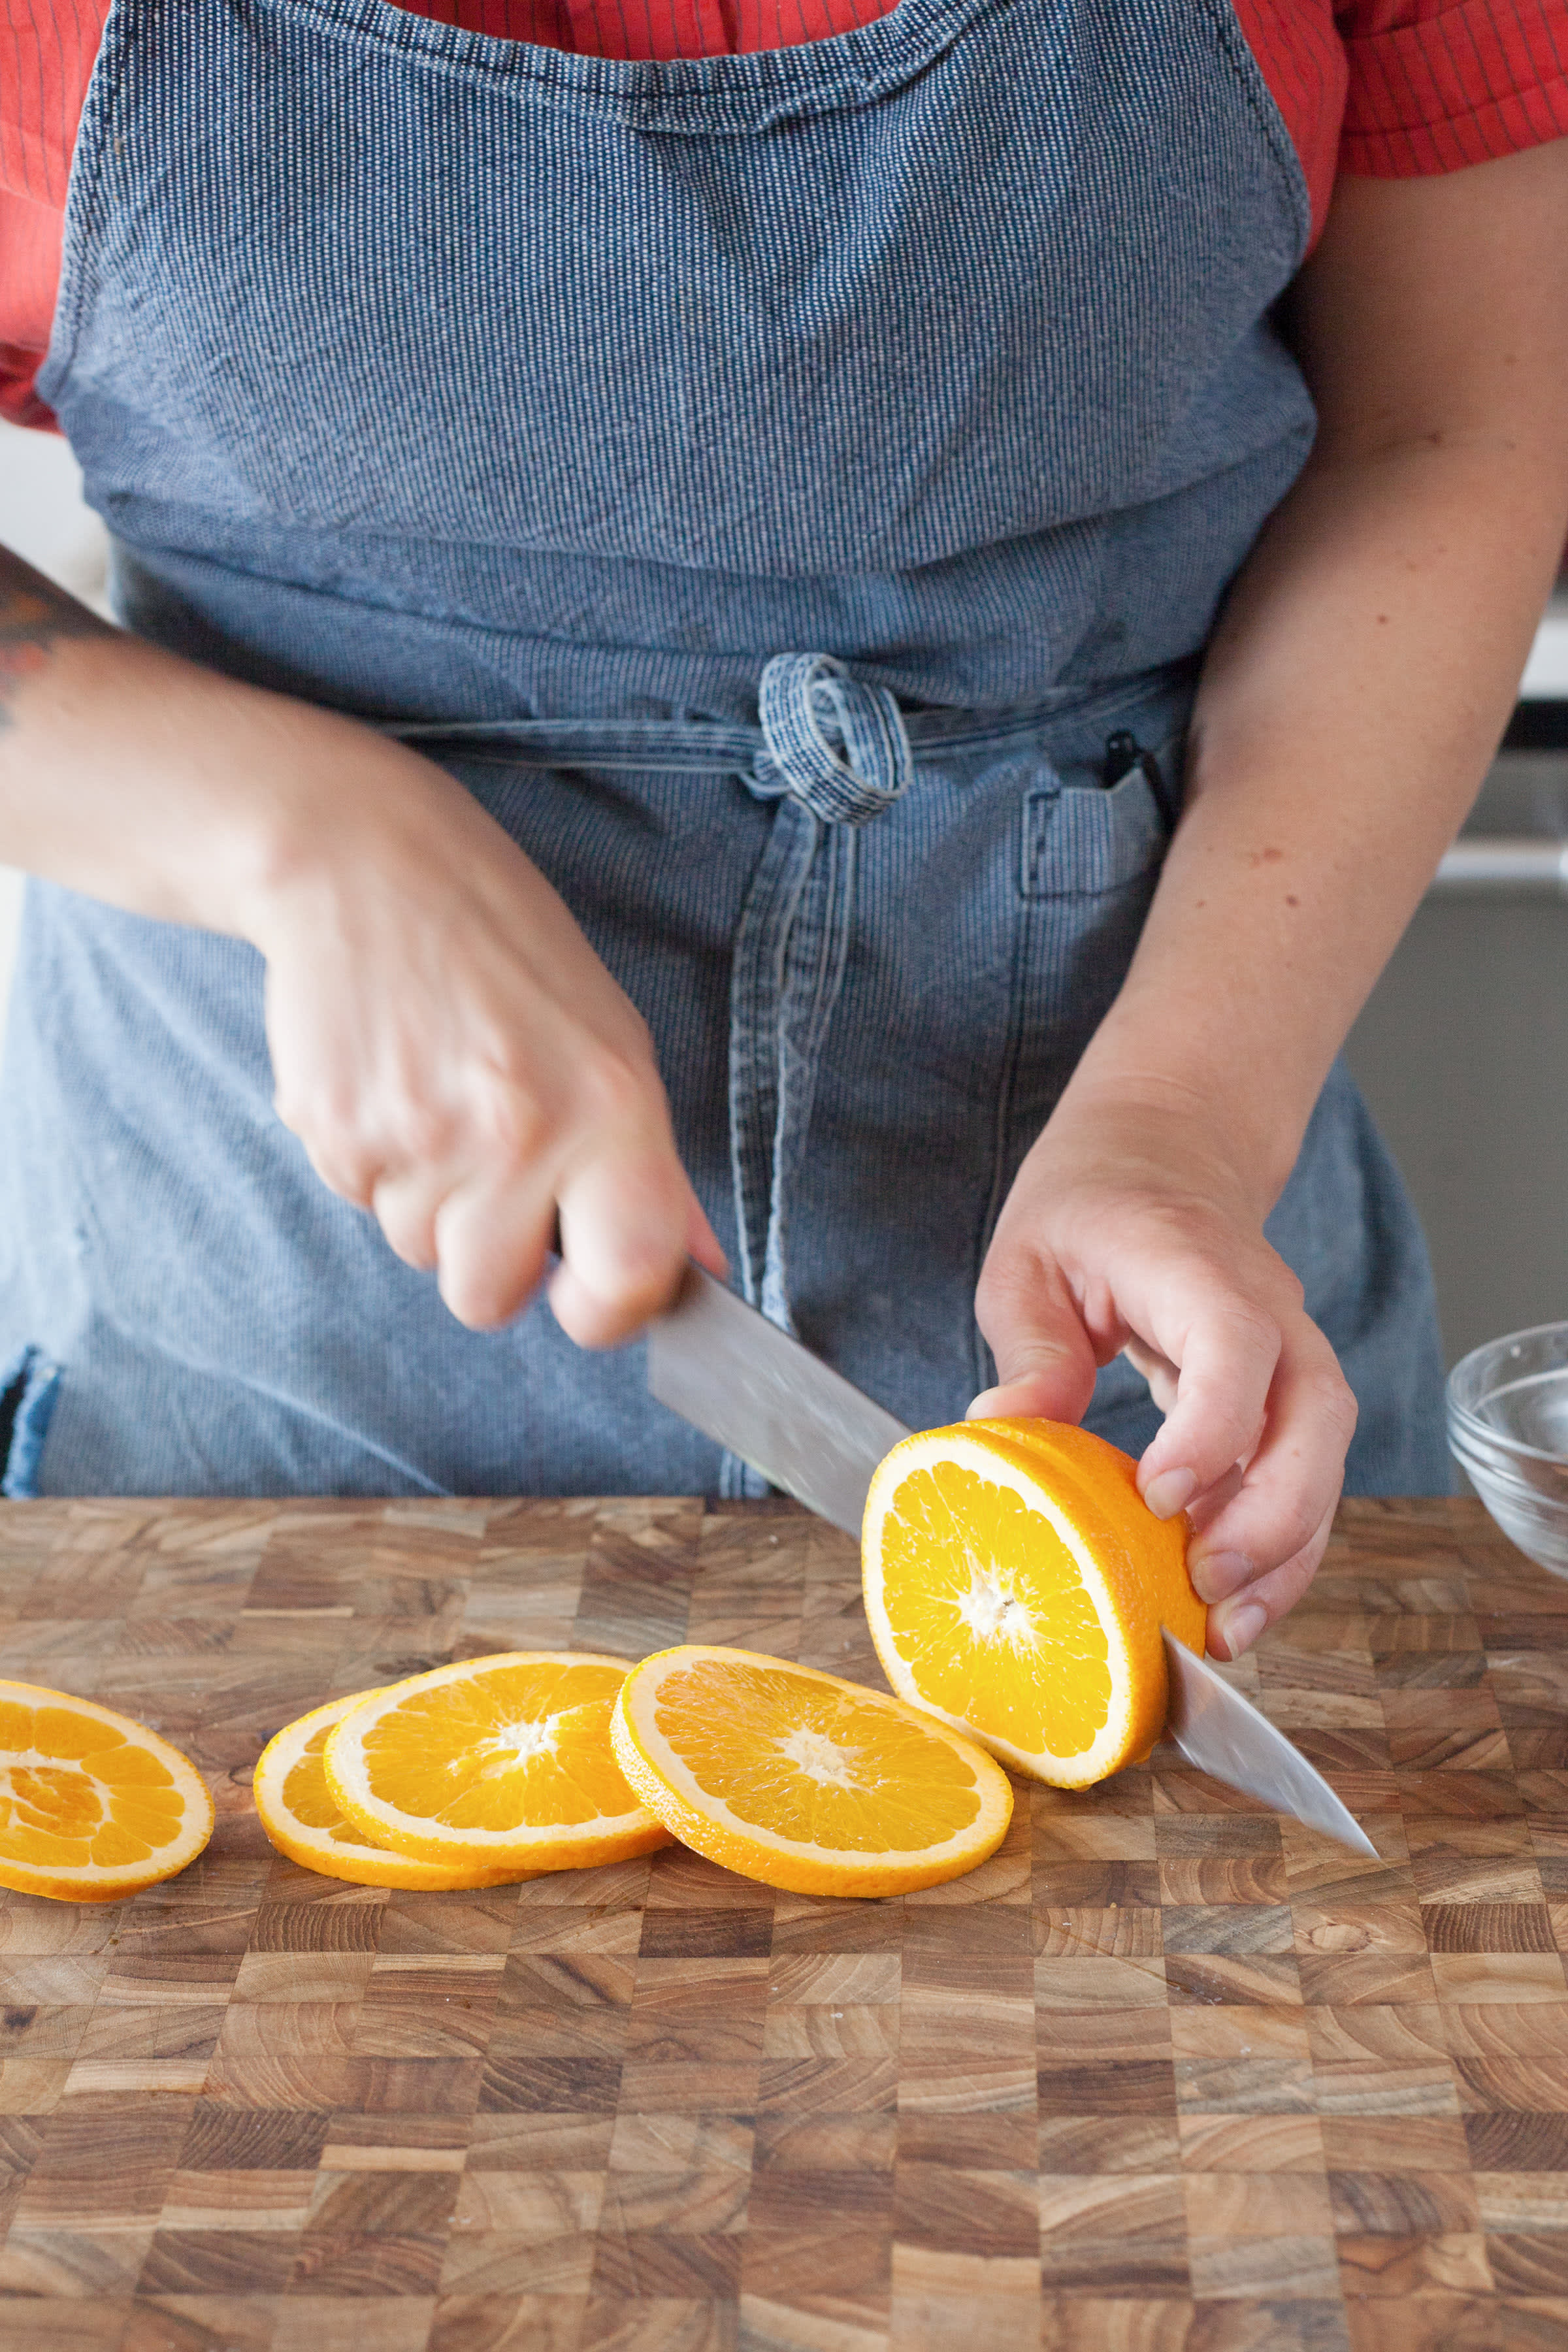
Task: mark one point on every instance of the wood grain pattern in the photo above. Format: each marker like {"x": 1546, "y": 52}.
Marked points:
{"x": 1166, "y": 2074}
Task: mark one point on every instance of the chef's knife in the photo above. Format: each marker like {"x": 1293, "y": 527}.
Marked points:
{"x": 745, "y": 1383}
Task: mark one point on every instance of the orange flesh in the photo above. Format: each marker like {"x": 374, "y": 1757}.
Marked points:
{"x": 968, "y": 1566}
{"x": 308, "y": 1798}
{"x": 75, "y": 1793}
{"x": 513, "y": 1746}
{"x": 808, "y": 1763}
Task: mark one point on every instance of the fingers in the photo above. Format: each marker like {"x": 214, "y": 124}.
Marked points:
{"x": 404, "y": 1206}
{"x": 1234, "y": 1626}
{"x": 1045, "y": 1362}
{"x": 702, "y": 1242}
{"x": 492, "y": 1245}
{"x": 1229, "y": 1351}
{"x": 624, "y": 1228}
{"x": 624, "y": 1220}
{"x": 1275, "y": 1525}
{"x": 483, "y": 1186}
{"x": 1259, "y": 1414}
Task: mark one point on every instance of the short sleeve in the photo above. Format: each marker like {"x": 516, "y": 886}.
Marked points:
{"x": 47, "y": 52}
{"x": 1436, "y": 85}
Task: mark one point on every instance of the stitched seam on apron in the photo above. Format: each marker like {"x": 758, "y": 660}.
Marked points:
{"x": 1249, "y": 74}
{"x": 1024, "y": 931}
{"x": 84, "y": 189}
{"x": 779, "y": 84}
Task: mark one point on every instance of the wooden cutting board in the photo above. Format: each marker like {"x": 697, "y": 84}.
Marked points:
{"x": 1166, "y": 2073}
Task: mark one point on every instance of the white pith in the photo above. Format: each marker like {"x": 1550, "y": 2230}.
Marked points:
{"x": 820, "y": 1759}
{"x": 1086, "y": 1765}
{"x": 519, "y": 1742}
{"x": 993, "y": 1614}
{"x": 645, "y": 1756}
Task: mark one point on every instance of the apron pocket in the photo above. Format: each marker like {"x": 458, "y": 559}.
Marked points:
{"x": 1081, "y": 841}
{"x": 29, "y": 1387}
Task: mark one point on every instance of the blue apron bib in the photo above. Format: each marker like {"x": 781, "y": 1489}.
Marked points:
{"x": 770, "y": 483}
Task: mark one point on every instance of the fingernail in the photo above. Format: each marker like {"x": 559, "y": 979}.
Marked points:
{"x": 984, "y": 1406}
{"x": 1243, "y": 1626}
{"x": 1171, "y": 1491}
{"x": 1217, "y": 1574}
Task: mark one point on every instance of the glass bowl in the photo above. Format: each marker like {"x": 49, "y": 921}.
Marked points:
{"x": 1507, "y": 1429}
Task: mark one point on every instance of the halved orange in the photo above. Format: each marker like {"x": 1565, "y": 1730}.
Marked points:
{"x": 93, "y": 1806}
{"x": 500, "y": 1763}
{"x": 300, "y": 1816}
{"x": 801, "y": 1779}
{"x": 1015, "y": 1583}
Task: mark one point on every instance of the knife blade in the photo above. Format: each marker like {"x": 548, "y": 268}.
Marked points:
{"x": 1218, "y": 1728}
{"x": 739, "y": 1378}
{"x": 757, "y": 1390}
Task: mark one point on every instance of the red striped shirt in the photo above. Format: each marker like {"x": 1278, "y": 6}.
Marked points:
{"x": 1392, "y": 89}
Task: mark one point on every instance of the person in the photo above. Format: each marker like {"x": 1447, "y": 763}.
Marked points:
{"x": 836, "y": 644}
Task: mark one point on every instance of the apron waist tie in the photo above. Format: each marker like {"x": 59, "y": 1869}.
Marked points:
{"x": 835, "y": 755}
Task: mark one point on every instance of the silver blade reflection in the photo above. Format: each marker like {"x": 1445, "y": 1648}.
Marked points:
{"x": 748, "y": 1385}
{"x": 1224, "y": 1734}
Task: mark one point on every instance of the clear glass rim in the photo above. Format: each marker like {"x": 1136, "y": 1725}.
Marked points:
{"x": 1483, "y": 1435}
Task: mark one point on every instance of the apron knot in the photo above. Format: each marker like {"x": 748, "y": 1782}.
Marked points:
{"x": 836, "y": 744}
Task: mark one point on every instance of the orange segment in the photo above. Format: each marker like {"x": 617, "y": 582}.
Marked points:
{"x": 93, "y": 1806}
{"x": 300, "y": 1816}
{"x": 1015, "y": 1585}
{"x": 801, "y": 1779}
{"x": 501, "y": 1763}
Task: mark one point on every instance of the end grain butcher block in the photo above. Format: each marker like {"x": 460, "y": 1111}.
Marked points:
{"x": 1166, "y": 2072}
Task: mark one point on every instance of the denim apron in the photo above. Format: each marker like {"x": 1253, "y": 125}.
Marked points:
{"x": 791, "y": 492}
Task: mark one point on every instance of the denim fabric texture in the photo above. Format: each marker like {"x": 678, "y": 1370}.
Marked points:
{"x": 767, "y": 484}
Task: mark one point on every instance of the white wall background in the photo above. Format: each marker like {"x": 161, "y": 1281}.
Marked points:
{"x": 42, "y": 517}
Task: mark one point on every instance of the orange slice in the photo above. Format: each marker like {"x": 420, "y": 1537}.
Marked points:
{"x": 300, "y": 1818}
{"x": 93, "y": 1806}
{"x": 500, "y": 1763}
{"x": 801, "y": 1779}
{"x": 1015, "y": 1584}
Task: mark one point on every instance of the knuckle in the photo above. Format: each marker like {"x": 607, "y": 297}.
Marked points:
{"x": 410, "y": 1244}
{"x": 1012, "y": 1280}
{"x": 1002, "y": 1279}
{"x": 511, "y": 1126}
{"x": 423, "y": 1132}
{"x": 326, "y": 1116}
{"x": 1290, "y": 1285}
{"x": 1254, "y": 1327}
{"x": 337, "y": 1149}
{"x": 1298, "y": 1523}
{"x": 344, "y": 1166}
{"x": 613, "y": 1090}
{"x": 482, "y": 1301}
{"x": 1333, "y": 1401}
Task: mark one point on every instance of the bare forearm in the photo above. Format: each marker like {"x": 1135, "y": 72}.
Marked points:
{"x": 445, "y": 1043}
{"x": 1347, "y": 713}
{"x": 145, "y": 780}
